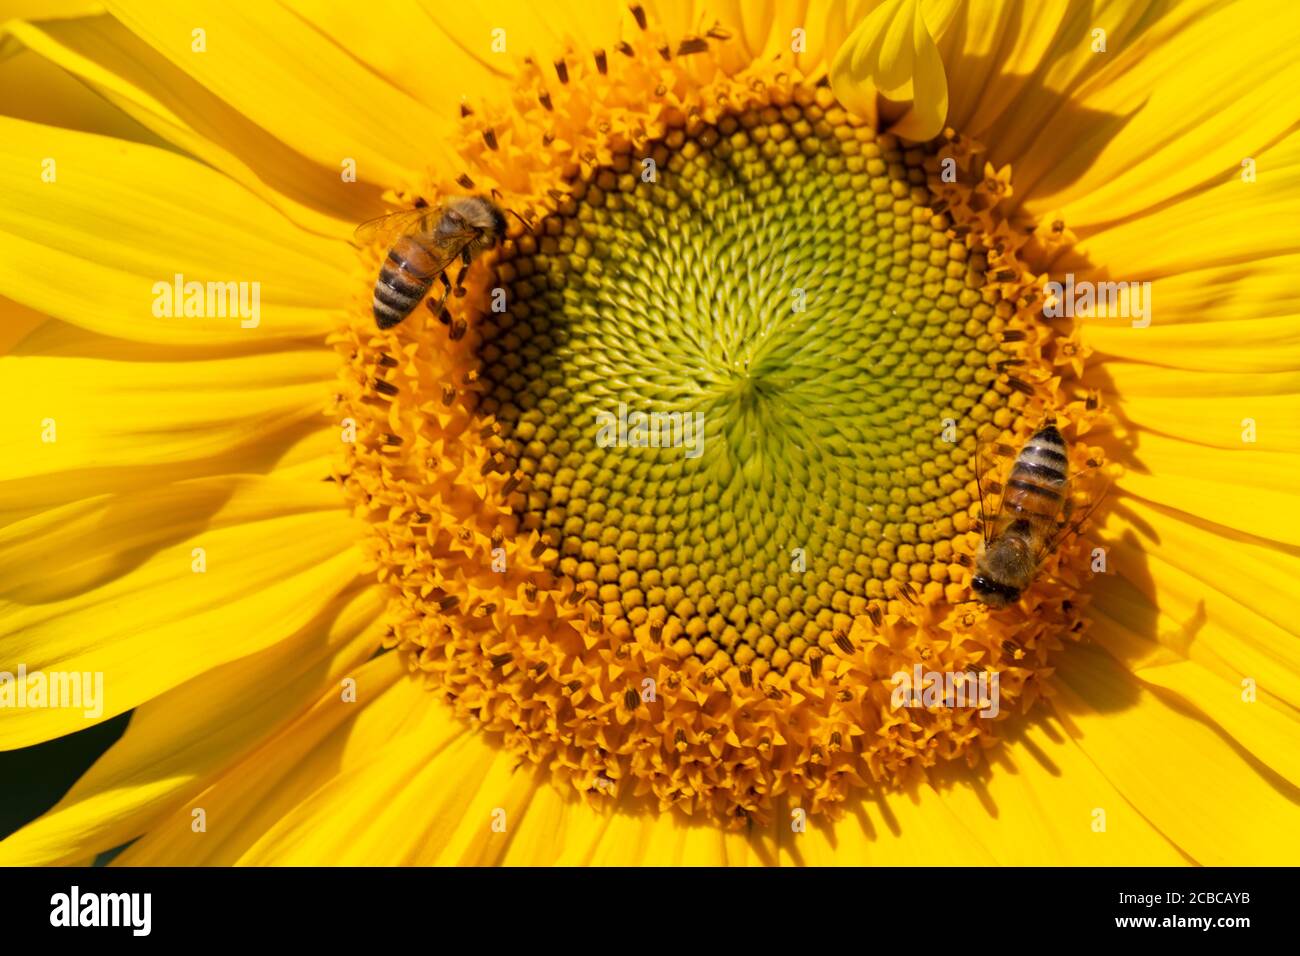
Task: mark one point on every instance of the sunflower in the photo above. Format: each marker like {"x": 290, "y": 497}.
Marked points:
{"x": 615, "y": 552}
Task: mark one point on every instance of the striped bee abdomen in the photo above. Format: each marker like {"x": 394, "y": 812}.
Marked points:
{"x": 403, "y": 281}
{"x": 1031, "y": 500}
{"x": 1036, "y": 485}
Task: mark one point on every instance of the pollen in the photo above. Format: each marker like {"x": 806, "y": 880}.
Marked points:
{"x": 686, "y": 479}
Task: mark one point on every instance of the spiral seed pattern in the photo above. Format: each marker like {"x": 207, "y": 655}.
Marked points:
{"x": 781, "y": 279}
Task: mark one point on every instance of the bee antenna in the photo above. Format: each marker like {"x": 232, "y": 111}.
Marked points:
{"x": 527, "y": 225}
{"x": 496, "y": 194}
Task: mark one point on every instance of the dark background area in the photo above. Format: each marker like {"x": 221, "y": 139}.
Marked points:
{"x": 35, "y": 778}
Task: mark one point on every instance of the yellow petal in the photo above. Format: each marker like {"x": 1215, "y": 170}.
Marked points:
{"x": 1245, "y": 345}
{"x": 273, "y": 68}
{"x": 557, "y": 829}
{"x": 1035, "y": 804}
{"x": 892, "y": 53}
{"x": 753, "y": 23}
{"x": 430, "y": 791}
{"x": 486, "y": 45}
{"x": 141, "y": 83}
{"x": 1229, "y": 292}
{"x": 990, "y": 50}
{"x": 16, "y": 323}
{"x": 23, "y": 9}
{"x": 123, "y": 220}
{"x": 1246, "y": 489}
{"x": 1227, "y": 223}
{"x": 33, "y": 89}
{"x": 1226, "y": 416}
{"x": 381, "y": 809}
{"x": 273, "y": 553}
{"x": 1138, "y": 381}
{"x": 1012, "y": 76}
{"x": 177, "y": 741}
{"x": 766, "y": 29}
{"x": 1265, "y": 727}
{"x": 435, "y": 792}
{"x": 87, "y": 425}
{"x": 1191, "y": 97}
{"x": 1205, "y": 597}
{"x": 475, "y": 826}
{"x": 910, "y": 828}
{"x": 1033, "y": 807}
{"x": 1255, "y": 429}
{"x": 677, "y": 18}
{"x": 249, "y": 797}
{"x": 1192, "y": 784}
{"x": 62, "y": 552}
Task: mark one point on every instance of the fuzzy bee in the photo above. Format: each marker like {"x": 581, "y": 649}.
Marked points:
{"x": 423, "y": 242}
{"x": 1027, "y": 526}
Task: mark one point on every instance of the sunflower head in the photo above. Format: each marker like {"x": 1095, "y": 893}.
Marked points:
{"x": 683, "y": 489}
{"x": 691, "y": 471}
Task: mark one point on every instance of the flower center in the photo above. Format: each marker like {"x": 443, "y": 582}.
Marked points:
{"x": 731, "y": 372}
{"x": 689, "y": 476}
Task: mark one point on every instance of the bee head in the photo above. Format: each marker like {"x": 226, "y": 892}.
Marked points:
{"x": 992, "y": 593}
{"x": 480, "y": 213}
{"x": 498, "y": 219}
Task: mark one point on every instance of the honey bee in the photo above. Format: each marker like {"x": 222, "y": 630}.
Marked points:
{"x": 1026, "y": 529}
{"x": 424, "y": 242}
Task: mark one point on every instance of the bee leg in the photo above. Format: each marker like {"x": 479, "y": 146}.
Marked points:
{"x": 1067, "y": 511}
{"x": 464, "y": 264}
{"x": 446, "y": 290}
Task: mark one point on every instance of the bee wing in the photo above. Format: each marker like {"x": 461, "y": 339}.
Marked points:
{"x": 449, "y": 244}
{"x": 446, "y": 247}
{"x": 992, "y": 459}
{"x": 391, "y": 225}
{"x": 1085, "y": 490}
